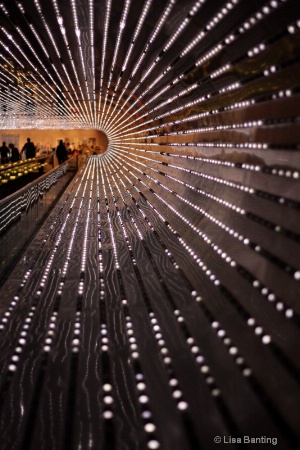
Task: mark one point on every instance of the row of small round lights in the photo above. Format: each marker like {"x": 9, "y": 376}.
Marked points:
{"x": 22, "y": 341}
{"x": 140, "y": 382}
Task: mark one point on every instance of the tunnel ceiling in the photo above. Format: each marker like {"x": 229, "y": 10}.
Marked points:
{"x": 79, "y": 63}
{"x": 132, "y": 68}
{"x": 184, "y": 233}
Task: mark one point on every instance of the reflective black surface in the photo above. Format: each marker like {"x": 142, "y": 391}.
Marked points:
{"x": 114, "y": 335}
{"x": 158, "y": 305}
{"x": 22, "y": 213}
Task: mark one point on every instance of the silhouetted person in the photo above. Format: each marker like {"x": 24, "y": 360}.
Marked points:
{"x": 61, "y": 152}
{"x": 29, "y": 149}
{"x": 15, "y": 155}
{"x": 4, "y": 152}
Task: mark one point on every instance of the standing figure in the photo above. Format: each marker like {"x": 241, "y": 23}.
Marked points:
{"x": 29, "y": 149}
{"x": 15, "y": 155}
{"x": 4, "y": 152}
{"x": 61, "y": 152}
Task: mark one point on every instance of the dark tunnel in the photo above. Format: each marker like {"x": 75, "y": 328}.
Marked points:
{"x": 149, "y": 287}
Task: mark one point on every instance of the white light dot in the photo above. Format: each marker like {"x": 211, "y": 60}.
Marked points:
{"x": 150, "y": 427}
{"x": 266, "y": 339}
{"x": 233, "y": 350}
{"x": 153, "y": 445}
{"x": 177, "y": 394}
{"x": 215, "y": 392}
{"x": 182, "y": 406}
{"x": 107, "y": 415}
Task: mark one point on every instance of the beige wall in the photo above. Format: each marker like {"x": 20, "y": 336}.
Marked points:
{"x": 48, "y": 138}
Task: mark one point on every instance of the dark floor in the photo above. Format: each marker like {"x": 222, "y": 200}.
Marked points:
{"x": 115, "y": 336}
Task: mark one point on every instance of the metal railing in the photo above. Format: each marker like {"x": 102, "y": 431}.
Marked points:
{"x": 22, "y": 212}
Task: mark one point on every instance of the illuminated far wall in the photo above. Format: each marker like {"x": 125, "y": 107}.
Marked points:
{"x": 49, "y": 138}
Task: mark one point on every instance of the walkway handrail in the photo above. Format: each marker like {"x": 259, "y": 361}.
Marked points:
{"x": 24, "y": 162}
{"x": 22, "y": 212}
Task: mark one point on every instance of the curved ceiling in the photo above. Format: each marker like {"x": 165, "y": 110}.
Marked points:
{"x": 200, "y": 102}
{"x": 81, "y": 64}
{"x": 128, "y": 67}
